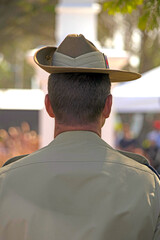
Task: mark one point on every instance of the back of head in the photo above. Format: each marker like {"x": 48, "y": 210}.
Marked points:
{"x": 78, "y": 98}
{"x": 80, "y": 79}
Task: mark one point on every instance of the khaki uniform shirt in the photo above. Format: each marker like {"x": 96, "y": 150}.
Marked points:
{"x": 79, "y": 188}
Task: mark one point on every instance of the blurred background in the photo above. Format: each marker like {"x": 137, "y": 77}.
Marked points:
{"x": 128, "y": 32}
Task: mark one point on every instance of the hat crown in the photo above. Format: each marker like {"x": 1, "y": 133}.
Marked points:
{"x": 75, "y": 45}
{"x": 77, "y": 54}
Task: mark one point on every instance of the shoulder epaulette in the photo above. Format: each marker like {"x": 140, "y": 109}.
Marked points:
{"x": 14, "y": 159}
{"x": 141, "y": 159}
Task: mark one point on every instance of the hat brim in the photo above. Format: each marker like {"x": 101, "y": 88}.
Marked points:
{"x": 114, "y": 75}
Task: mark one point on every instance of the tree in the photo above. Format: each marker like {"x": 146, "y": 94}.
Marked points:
{"x": 23, "y": 25}
{"x": 30, "y": 20}
{"x": 149, "y": 17}
{"x": 142, "y": 16}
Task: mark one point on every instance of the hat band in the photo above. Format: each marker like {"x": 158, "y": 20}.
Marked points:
{"x": 88, "y": 60}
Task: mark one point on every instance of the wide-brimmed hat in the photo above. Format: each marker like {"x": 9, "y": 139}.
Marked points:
{"x": 77, "y": 54}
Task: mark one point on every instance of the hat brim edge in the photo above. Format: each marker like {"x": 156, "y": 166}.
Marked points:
{"x": 114, "y": 75}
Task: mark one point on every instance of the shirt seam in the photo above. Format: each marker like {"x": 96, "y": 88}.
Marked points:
{"x": 78, "y": 162}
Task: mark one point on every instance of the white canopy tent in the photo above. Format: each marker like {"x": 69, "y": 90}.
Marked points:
{"x": 21, "y": 99}
{"x": 142, "y": 95}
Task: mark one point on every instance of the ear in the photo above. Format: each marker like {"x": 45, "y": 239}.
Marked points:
{"x": 107, "y": 107}
{"x": 48, "y": 106}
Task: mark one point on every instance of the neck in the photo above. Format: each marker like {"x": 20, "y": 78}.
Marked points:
{"x": 93, "y": 127}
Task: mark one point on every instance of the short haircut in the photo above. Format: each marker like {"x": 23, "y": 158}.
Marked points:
{"x": 78, "y": 98}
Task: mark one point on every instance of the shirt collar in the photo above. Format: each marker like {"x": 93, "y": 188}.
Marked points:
{"x": 71, "y": 137}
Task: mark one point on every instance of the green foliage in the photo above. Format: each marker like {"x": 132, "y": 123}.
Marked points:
{"x": 22, "y": 20}
{"x": 28, "y": 73}
{"x": 148, "y": 41}
{"x": 24, "y": 25}
{"x": 150, "y": 18}
{"x": 149, "y": 11}
{"x": 50, "y": 8}
{"x": 121, "y": 6}
{"x": 5, "y": 74}
{"x": 34, "y": 6}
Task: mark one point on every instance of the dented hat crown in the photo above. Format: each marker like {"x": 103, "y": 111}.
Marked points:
{"x": 77, "y": 54}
